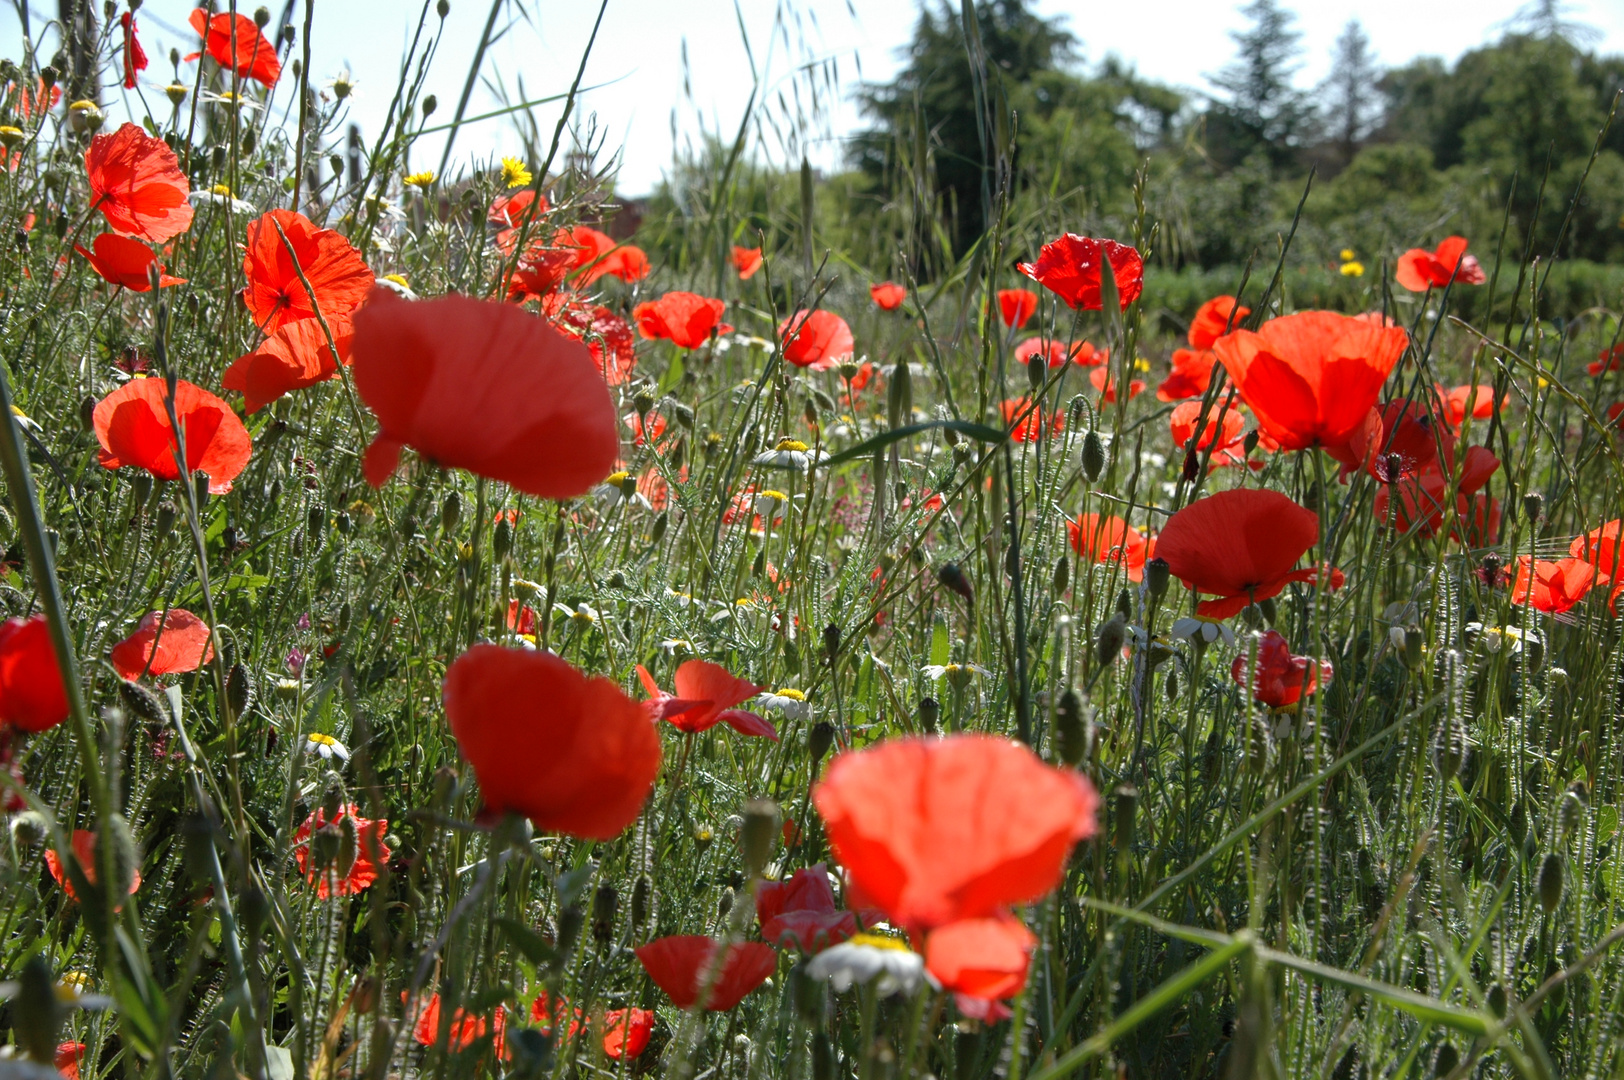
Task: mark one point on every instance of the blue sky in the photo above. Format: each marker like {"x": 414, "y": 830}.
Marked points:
{"x": 639, "y": 54}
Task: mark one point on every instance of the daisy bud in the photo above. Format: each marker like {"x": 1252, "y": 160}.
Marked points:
{"x": 819, "y": 739}
{"x": 950, "y": 576}
{"x": 604, "y": 903}
{"x": 643, "y": 401}
{"x": 642, "y": 899}
{"x": 1156, "y": 577}
{"x": 87, "y": 413}
{"x": 1109, "y": 639}
{"x": 1071, "y": 737}
{"x": 1093, "y": 456}
{"x": 142, "y": 702}
{"x": 1550, "y": 882}
{"x": 757, "y": 833}
{"x": 1534, "y": 507}
{"x": 899, "y": 395}
{"x": 930, "y": 713}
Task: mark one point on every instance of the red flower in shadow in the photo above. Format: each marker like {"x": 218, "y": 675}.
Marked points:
{"x": 1278, "y": 679}
{"x": 83, "y": 843}
{"x": 364, "y": 858}
{"x": 1238, "y": 546}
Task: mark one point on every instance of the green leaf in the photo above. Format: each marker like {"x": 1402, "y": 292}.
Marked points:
{"x": 979, "y": 432}
{"x": 941, "y": 647}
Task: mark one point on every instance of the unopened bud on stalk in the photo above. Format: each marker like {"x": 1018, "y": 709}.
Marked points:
{"x": 36, "y": 1013}
{"x": 200, "y": 489}
{"x": 1550, "y": 882}
{"x": 450, "y": 512}
{"x": 899, "y": 395}
{"x": 1124, "y": 604}
{"x": 1447, "y": 1060}
{"x": 140, "y": 489}
{"x": 1570, "y": 812}
{"x": 1062, "y": 574}
{"x": 502, "y": 539}
{"x": 1093, "y": 456}
{"x": 819, "y": 740}
{"x": 642, "y": 899}
{"x": 262, "y": 16}
{"x": 570, "y": 920}
{"x": 756, "y": 834}
{"x": 831, "y": 640}
{"x": 443, "y": 8}
{"x": 1534, "y": 507}
{"x": 87, "y": 413}
{"x": 1157, "y": 573}
{"x": 950, "y": 576}
{"x": 1127, "y": 806}
{"x": 930, "y": 714}
{"x": 1037, "y": 371}
{"x": 604, "y": 904}
{"x": 657, "y": 533}
{"x": 1109, "y": 639}
{"x": 724, "y": 903}
{"x": 1496, "y": 1000}
{"x": 1071, "y": 737}
{"x": 239, "y": 688}
{"x": 1414, "y": 646}
{"x": 324, "y": 847}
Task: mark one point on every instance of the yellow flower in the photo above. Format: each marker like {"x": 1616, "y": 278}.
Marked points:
{"x": 791, "y": 444}
{"x": 11, "y": 136}
{"x": 1141, "y": 364}
{"x": 514, "y": 173}
{"x": 1353, "y": 269}
{"x": 222, "y": 190}
{"x": 419, "y": 179}
{"x": 1347, "y": 254}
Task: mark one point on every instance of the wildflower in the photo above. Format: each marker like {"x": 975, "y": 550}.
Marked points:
{"x": 1200, "y": 630}
{"x": 1600, "y": 548}
{"x": 70, "y": 1054}
{"x": 37, "y": 101}
{"x": 342, "y": 85}
{"x": 816, "y": 339}
{"x": 548, "y": 1012}
{"x": 182, "y": 644}
{"x": 220, "y": 195}
{"x": 865, "y": 958}
{"x": 462, "y": 1030}
{"x": 132, "y": 425}
{"x": 135, "y": 60}
{"x": 599, "y": 255}
{"x": 746, "y": 261}
{"x": 1100, "y": 379}
{"x": 511, "y": 211}
{"x": 1224, "y": 427}
{"x": 888, "y": 295}
{"x": 423, "y": 180}
{"x": 932, "y": 831}
{"x": 617, "y": 487}
{"x": 1552, "y": 587}
{"x": 801, "y": 912}
{"x": 515, "y": 173}
{"x": 483, "y": 387}
{"x": 680, "y": 965}
{"x": 1461, "y": 401}
{"x": 83, "y": 846}
{"x": 33, "y": 697}
{"x": 318, "y": 744}
{"x": 581, "y": 615}
{"x": 790, "y": 454}
{"x": 397, "y": 284}
{"x": 1028, "y": 424}
{"x": 1238, "y": 546}
{"x": 1607, "y": 360}
{"x": 1347, "y": 255}
{"x": 296, "y": 355}
{"x": 957, "y": 675}
{"x": 626, "y": 1033}
{"x": 608, "y": 337}
{"x": 338, "y": 278}
{"x": 354, "y": 870}
{"x": 571, "y": 753}
{"x": 706, "y": 694}
{"x": 1104, "y": 539}
{"x": 120, "y": 260}
{"x": 1070, "y": 268}
{"x": 1420, "y": 270}
{"x": 1278, "y": 679}
{"x": 253, "y": 58}
{"x": 685, "y": 319}
{"x": 981, "y": 958}
{"x": 232, "y": 101}
{"x": 1312, "y": 377}
{"x": 137, "y": 183}
{"x": 1213, "y": 320}
{"x": 1352, "y": 269}
{"x": 1017, "y": 306}
{"x": 1059, "y": 353}
{"x": 1190, "y": 377}
{"x": 790, "y": 702}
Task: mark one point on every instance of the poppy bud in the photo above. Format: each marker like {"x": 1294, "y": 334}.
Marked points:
{"x": 262, "y": 16}
{"x": 140, "y": 489}
{"x": 642, "y": 899}
{"x": 1414, "y": 642}
{"x": 87, "y": 413}
{"x": 1093, "y": 456}
{"x": 819, "y": 739}
{"x": 757, "y": 833}
{"x": 1259, "y": 744}
{"x": 1192, "y": 465}
{"x": 657, "y": 533}
{"x": 1037, "y": 371}
{"x": 1124, "y": 603}
{"x": 47, "y": 75}
{"x": 197, "y": 845}
{"x": 930, "y": 713}
{"x": 443, "y": 8}
{"x": 1266, "y": 608}
{"x": 1446, "y": 1060}
{"x": 343, "y": 522}
{"x": 570, "y": 920}
{"x": 200, "y": 489}
{"x": 1534, "y": 507}
{"x": 1570, "y": 812}
{"x": 1062, "y": 574}
{"x": 899, "y": 395}
{"x": 951, "y": 577}
{"x": 1127, "y": 805}
{"x": 1109, "y": 639}
{"x": 324, "y": 847}
{"x": 1550, "y": 882}
{"x": 1496, "y": 1001}
{"x": 604, "y": 903}
{"x": 502, "y": 539}
{"x": 165, "y": 521}
{"x": 142, "y": 702}
{"x": 724, "y": 903}
{"x": 1071, "y": 737}
{"x": 239, "y": 688}
{"x": 1156, "y": 577}
{"x": 831, "y": 640}
{"x": 1171, "y": 684}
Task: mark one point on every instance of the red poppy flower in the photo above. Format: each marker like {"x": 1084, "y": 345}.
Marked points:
{"x": 598, "y": 255}
{"x": 1100, "y": 379}
{"x": 1312, "y": 377}
{"x": 1238, "y": 546}
{"x": 817, "y": 339}
{"x": 1607, "y": 360}
{"x": 511, "y": 211}
{"x": 1221, "y": 431}
{"x": 1552, "y": 587}
{"x": 1070, "y": 266}
{"x": 137, "y": 184}
{"x": 1029, "y": 422}
{"x": 609, "y": 337}
{"x": 1017, "y": 306}
{"x": 521, "y": 619}
{"x": 706, "y": 696}
{"x": 539, "y": 273}
{"x": 1190, "y": 377}
{"x": 1104, "y": 539}
{"x": 679, "y": 966}
{"x": 69, "y": 1054}
{"x": 464, "y": 1028}
{"x": 1396, "y": 442}
{"x": 1476, "y": 400}
{"x": 1418, "y": 505}
{"x": 1600, "y": 548}
{"x": 571, "y": 753}
{"x": 132, "y": 425}
{"x": 39, "y": 100}
{"x": 685, "y": 319}
{"x": 746, "y": 261}
{"x": 1059, "y": 353}
{"x": 120, "y": 260}
{"x": 482, "y": 387}
{"x": 1213, "y": 320}
{"x": 235, "y": 43}
{"x": 549, "y": 1012}
{"x": 626, "y": 1033}
{"x": 1279, "y": 679}
{"x": 800, "y": 913}
{"x": 645, "y": 430}
{"x": 183, "y": 644}
{"x": 981, "y": 958}
{"x": 135, "y": 59}
{"x": 275, "y": 296}
{"x": 888, "y": 294}
{"x": 32, "y": 695}
{"x": 1419, "y": 270}
{"x": 932, "y": 831}
{"x": 369, "y": 852}
{"x": 295, "y": 356}
{"x": 83, "y": 843}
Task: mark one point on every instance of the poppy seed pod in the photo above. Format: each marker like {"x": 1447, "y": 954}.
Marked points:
{"x": 1534, "y": 507}
{"x": 87, "y": 413}
{"x": 1550, "y": 882}
{"x": 756, "y": 834}
{"x": 950, "y": 576}
{"x": 930, "y": 714}
{"x": 142, "y": 702}
{"x": 604, "y": 904}
{"x": 1071, "y": 737}
{"x": 831, "y": 640}
{"x": 1093, "y": 456}
{"x": 899, "y": 395}
{"x": 1109, "y": 639}
{"x": 642, "y": 899}
{"x": 1157, "y": 573}
{"x": 1062, "y": 574}
{"x": 819, "y": 739}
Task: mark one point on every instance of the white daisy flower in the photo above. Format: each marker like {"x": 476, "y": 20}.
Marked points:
{"x": 671, "y": 646}
{"x": 791, "y": 454}
{"x": 1202, "y": 630}
{"x": 220, "y": 195}
{"x": 341, "y": 85}
{"x": 230, "y": 100}
{"x": 792, "y": 703}
{"x": 770, "y": 503}
{"x": 953, "y": 671}
{"x": 866, "y": 957}
{"x": 396, "y": 284}
{"x": 582, "y": 615}
{"x": 24, "y": 420}
{"x": 326, "y": 747}
{"x": 619, "y": 487}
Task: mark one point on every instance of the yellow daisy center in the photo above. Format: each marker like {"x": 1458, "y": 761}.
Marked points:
{"x": 793, "y": 695}
{"x": 878, "y": 941}
{"x": 323, "y": 740}
{"x": 791, "y": 444}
